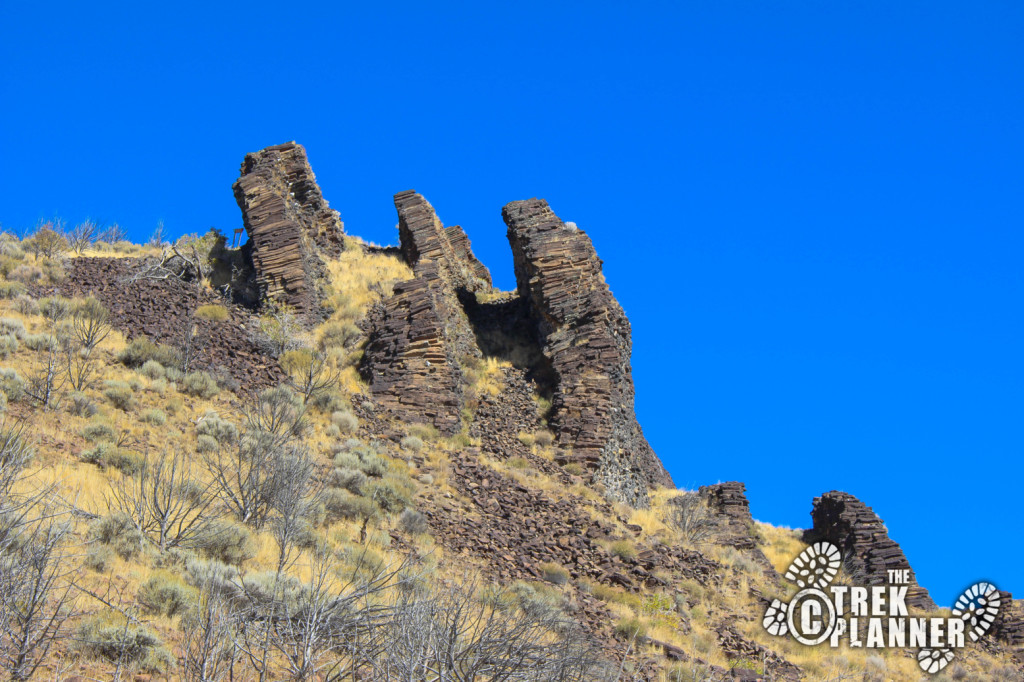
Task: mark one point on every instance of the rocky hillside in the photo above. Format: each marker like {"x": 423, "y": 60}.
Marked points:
{"x": 314, "y": 458}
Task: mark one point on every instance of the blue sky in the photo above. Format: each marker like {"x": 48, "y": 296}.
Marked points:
{"x": 811, "y": 212}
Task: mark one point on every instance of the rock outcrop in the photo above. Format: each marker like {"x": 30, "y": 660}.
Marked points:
{"x": 290, "y": 225}
{"x": 868, "y": 551}
{"x": 424, "y": 238}
{"x": 585, "y": 335}
{"x": 420, "y": 336}
{"x": 1009, "y": 624}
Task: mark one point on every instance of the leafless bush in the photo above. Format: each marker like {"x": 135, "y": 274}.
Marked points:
{"x": 82, "y": 235}
{"x": 691, "y": 517}
{"x": 35, "y": 579}
{"x": 90, "y": 323}
{"x": 47, "y": 379}
{"x": 449, "y": 634}
{"x": 312, "y": 374}
{"x": 165, "y": 502}
{"x": 112, "y": 234}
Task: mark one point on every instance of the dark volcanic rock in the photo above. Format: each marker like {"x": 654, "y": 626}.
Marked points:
{"x": 424, "y": 238}
{"x": 162, "y": 309}
{"x": 1009, "y": 624}
{"x": 420, "y": 336}
{"x": 586, "y": 336}
{"x": 289, "y": 223}
{"x": 410, "y": 359}
{"x": 851, "y": 525}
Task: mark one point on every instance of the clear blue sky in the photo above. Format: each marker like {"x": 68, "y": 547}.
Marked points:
{"x": 810, "y": 211}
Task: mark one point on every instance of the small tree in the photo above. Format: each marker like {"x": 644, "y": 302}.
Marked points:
{"x": 48, "y": 241}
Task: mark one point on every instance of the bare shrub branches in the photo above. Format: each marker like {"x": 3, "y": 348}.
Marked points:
{"x": 166, "y": 504}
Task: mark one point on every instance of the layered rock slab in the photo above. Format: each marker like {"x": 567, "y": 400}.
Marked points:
{"x": 868, "y": 551}
{"x": 291, "y": 227}
{"x": 420, "y": 335}
{"x": 586, "y": 336}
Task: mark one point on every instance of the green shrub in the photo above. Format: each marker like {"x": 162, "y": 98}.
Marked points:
{"x": 351, "y": 480}
{"x": 227, "y": 542}
{"x": 339, "y": 335}
{"x": 543, "y": 438}
{"x": 219, "y": 429}
{"x": 212, "y": 312}
{"x": 11, "y": 384}
{"x": 120, "y": 397}
{"x": 554, "y": 573}
{"x": 9, "y": 290}
{"x": 82, "y": 405}
{"x": 3, "y": 401}
{"x": 119, "y": 533}
{"x": 341, "y": 504}
{"x": 152, "y": 369}
{"x": 412, "y": 443}
{"x": 632, "y": 629}
{"x": 362, "y": 458}
{"x": 390, "y": 495}
{"x": 12, "y": 325}
{"x": 345, "y": 421}
{"x": 99, "y": 558}
{"x": 199, "y": 384}
{"x": 624, "y": 549}
{"x": 8, "y": 344}
{"x": 573, "y": 468}
{"x": 109, "y": 455}
{"x": 140, "y": 349}
{"x": 103, "y": 636}
{"x": 166, "y": 594}
{"x": 55, "y": 308}
{"x": 413, "y": 522}
{"x": 206, "y": 444}
{"x": 26, "y": 305}
{"x": 29, "y": 274}
{"x": 154, "y": 417}
{"x": 98, "y": 431}
{"x": 39, "y": 342}
{"x": 424, "y": 432}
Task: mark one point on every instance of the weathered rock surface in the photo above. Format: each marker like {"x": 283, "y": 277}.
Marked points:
{"x": 289, "y": 223}
{"x": 1009, "y": 624}
{"x": 162, "y": 309}
{"x": 420, "y": 336}
{"x": 424, "y": 238}
{"x": 869, "y": 552}
{"x": 586, "y": 337}
{"x": 410, "y": 359}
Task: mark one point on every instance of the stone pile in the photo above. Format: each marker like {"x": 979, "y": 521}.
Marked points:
{"x": 161, "y": 310}
{"x": 290, "y": 226}
{"x": 586, "y": 336}
{"x": 868, "y": 551}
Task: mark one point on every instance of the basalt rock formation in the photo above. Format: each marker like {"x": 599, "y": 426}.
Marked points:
{"x": 851, "y": 525}
{"x": 585, "y": 335}
{"x": 290, "y": 225}
{"x": 420, "y": 336}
